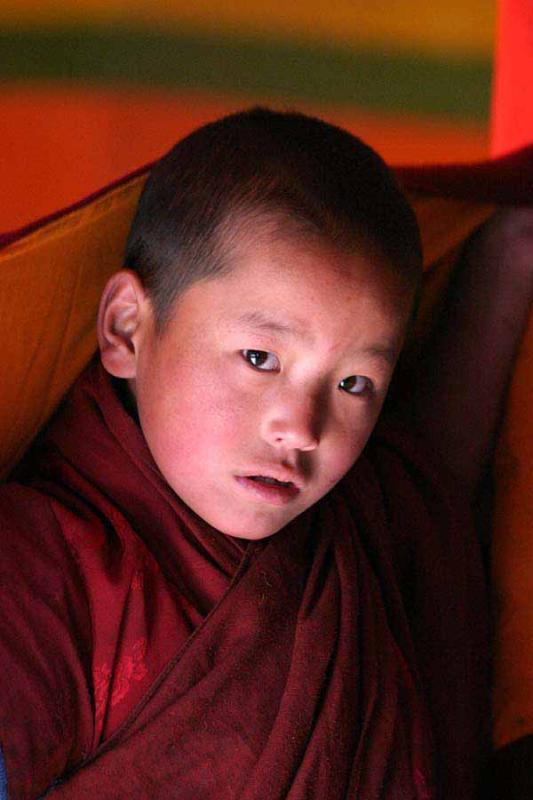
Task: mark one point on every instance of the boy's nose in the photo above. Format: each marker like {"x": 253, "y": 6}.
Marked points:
{"x": 293, "y": 425}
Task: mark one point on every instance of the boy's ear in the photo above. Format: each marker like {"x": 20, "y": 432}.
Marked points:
{"x": 124, "y": 312}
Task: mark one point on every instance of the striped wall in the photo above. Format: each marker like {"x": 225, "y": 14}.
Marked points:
{"x": 91, "y": 90}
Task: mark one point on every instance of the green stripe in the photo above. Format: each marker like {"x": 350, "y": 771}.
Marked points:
{"x": 287, "y": 70}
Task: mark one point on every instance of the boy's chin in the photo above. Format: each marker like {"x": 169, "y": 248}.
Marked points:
{"x": 248, "y": 521}
{"x": 253, "y": 532}
{"x": 252, "y": 537}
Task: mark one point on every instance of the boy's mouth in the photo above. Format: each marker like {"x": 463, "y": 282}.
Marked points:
{"x": 273, "y": 481}
{"x": 269, "y": 489}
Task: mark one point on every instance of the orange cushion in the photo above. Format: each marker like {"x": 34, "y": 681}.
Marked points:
{"x": 51, "y": 283}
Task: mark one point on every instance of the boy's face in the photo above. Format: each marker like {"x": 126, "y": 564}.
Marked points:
{"x": 275, "y": 372}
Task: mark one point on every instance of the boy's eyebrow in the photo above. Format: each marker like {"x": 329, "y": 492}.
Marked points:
{"x": 384, "y": 353}
{"x": 265, "y": 322}
{"x": 261, "y": 321}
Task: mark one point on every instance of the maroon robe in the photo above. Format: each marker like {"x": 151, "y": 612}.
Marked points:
{"x": 145, "y": 655}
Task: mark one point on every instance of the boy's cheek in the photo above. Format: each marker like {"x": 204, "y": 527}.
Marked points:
{"x": 352, "y": 437}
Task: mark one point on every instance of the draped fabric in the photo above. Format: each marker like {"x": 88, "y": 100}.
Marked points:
{"x": 146, "y": 655}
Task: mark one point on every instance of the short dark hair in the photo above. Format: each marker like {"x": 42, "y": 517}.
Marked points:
{"x": 303, "y": 170}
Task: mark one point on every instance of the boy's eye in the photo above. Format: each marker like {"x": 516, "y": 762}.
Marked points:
{"x": 356, "y": 384}
{"x": 261, "y": 359}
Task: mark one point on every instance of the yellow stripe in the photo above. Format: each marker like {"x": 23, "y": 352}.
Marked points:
{"x": 461, "y": 27}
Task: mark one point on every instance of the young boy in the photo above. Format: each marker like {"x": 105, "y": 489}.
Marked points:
{"x": 214, "y": 585}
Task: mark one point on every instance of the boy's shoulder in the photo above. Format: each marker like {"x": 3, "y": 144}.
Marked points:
{"x": 28, "y": 522}
{"x": 414, "y": 520}
{"x": 39, "y": 563}
{"x": 399, "y": 462}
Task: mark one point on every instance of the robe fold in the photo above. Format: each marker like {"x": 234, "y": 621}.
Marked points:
{"x": 144, "y": 654}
